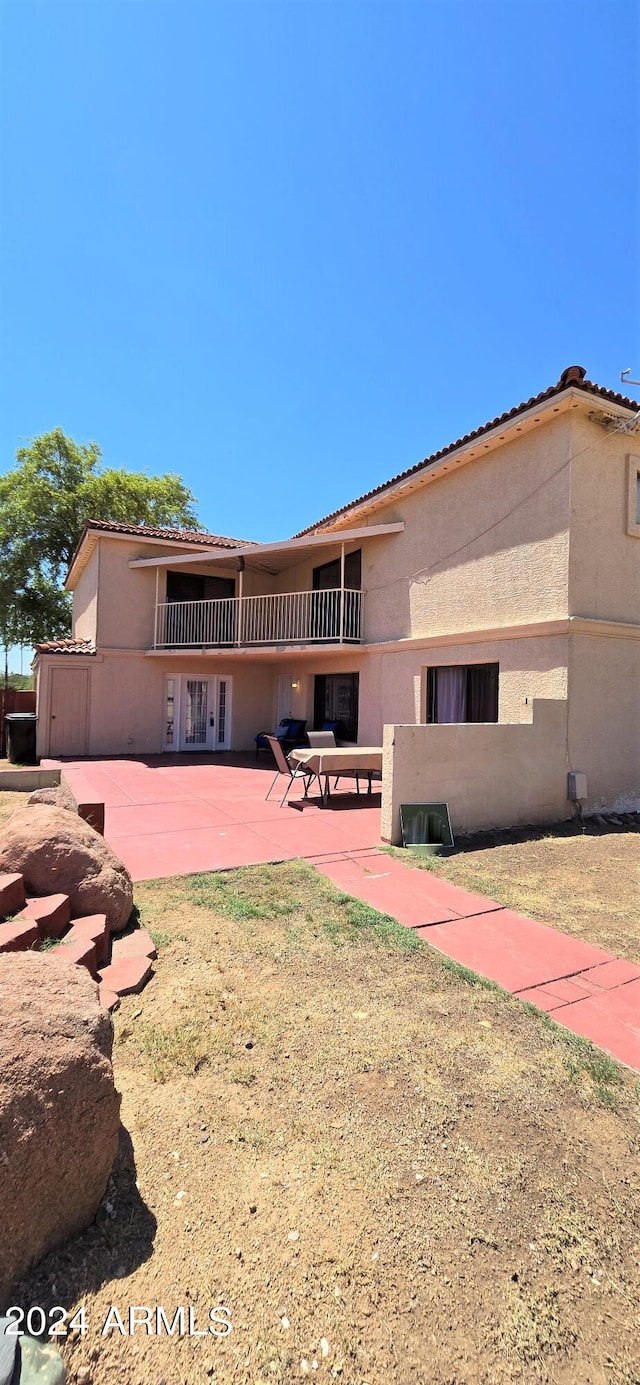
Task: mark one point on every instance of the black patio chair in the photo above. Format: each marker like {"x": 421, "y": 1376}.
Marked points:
{"x": 290, "y": 733}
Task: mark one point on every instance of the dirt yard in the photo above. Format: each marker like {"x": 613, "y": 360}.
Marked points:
{"x": 10, "y": 802}
{"x": 587, "y": 884}
{"x": 383, "y": 1171}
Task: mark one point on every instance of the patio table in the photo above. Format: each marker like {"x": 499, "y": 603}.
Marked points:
{"x": 338, "y": 760}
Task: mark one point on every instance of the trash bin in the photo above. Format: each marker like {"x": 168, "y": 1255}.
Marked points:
{"x": 21, "y": 737}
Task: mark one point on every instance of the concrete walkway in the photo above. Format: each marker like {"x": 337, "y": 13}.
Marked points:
{"x": 587, "y": 990}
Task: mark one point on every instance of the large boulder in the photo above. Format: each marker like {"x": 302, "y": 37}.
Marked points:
{"x": 58, "y": 853}
{"x": 57, "y": 796}
{"x": 59, "y": 1110}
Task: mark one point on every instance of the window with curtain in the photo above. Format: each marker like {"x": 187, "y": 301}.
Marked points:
{"x": 462, "y": 692}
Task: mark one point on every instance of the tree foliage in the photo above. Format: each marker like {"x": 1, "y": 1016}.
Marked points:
{"x": 54, "y": 487}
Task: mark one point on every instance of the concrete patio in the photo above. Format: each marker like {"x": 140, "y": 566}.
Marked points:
{"x": 176, "y": 814}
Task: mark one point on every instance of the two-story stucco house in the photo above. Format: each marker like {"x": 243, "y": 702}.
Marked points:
{"x": 483, "y": 607}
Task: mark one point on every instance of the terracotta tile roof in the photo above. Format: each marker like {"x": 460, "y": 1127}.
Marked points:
{"x": 66, "y": 646}
{"x": 572, "y": 378}
{"x": 150, "y": 531}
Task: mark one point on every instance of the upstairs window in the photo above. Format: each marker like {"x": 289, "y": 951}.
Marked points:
{"x": 462, "y": 692}
{"x": 327, "y": 577}
{"x": 196, "y": 586}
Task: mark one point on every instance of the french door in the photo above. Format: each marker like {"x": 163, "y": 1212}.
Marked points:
{"x": 197, "y": 714}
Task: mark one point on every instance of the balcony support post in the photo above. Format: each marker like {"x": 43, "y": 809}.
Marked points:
{"x": 240, "y": 602}
{"x": 155, "y": 618}
{"x": 342, "y": 593}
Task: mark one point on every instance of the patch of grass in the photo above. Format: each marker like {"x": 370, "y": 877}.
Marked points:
{"x": 180, "y": 1048}
{"x": 353, "y": 919}
{"x": 252, "y": 1133}
{"x": 572, "y": 1239}
{"x": 472, "y": 978}
{"x": 244, "y": 1077}
{"x": 533, "y": 1326}
{"x": 601, "y": 1073}
{"x": 160, "y": 937}
{"x": 254, "y": 893}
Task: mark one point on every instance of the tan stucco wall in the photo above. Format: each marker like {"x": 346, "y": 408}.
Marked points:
{"x": 486, "y": 544}
{"x": 604, "y": 719}
{"x": 490, "y": 776}
{"x": 393, "y": 683}
{"x": 85, "y": 600}
{"x": 126, "y": 700}
{"x": 604, "y": 562}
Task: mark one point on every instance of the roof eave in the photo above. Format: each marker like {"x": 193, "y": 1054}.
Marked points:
{"x": 484, "y": 440}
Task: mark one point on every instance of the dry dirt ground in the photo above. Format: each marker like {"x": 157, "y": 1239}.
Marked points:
{"x": 383, "y": 1170}
{"x": 585, "y": 882}
{"x": 10, "y": 802}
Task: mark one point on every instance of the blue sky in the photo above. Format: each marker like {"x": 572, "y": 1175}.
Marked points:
{"x": 288, "y": 249}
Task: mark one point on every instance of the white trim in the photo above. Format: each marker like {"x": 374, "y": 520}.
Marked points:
{"x": 570, "y": 625}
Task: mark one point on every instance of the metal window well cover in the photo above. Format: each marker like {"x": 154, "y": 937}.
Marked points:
{"x": 426, "y": 827}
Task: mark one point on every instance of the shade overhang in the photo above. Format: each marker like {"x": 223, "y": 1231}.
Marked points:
{"x": 275, "y": 556}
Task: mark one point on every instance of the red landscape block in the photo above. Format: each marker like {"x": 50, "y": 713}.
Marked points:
{"x": 93, "y": 813}
{"x": 137, "y": 944}
{"x": 19, "y": 936}
{"x": 80, "y": 951}
{"x": 126, "y": 976}
{"x": 109, "y": 1000}
{"x": 51, "y": 913}
{"x": 12, "y": 896}
{"x": 95, "y": 927}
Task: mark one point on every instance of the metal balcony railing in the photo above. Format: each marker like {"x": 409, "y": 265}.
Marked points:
{"x": 284, "y": 618}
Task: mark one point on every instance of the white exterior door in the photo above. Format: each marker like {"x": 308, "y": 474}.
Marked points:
{"x": 68, "y": 711}
{"x": 283, "y": 708}
{"x": 197, "y": 714}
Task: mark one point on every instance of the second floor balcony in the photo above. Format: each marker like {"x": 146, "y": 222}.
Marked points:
{"x": 332, "y": 616}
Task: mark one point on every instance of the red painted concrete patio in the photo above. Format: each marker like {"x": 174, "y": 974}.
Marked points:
{"x": 177, "y": 814}
{"x": 174, "y": 815}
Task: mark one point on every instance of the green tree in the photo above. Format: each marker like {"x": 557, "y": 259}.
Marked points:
{"x": 44, "y": 500}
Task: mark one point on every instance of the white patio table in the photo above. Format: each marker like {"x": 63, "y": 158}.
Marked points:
{"x": 338, "y": 760}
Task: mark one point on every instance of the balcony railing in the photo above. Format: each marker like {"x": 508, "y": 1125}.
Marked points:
{"x": 333, "y": 616}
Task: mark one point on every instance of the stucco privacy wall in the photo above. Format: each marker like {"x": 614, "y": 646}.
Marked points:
{"x": 490, "y": 776}
{"x": 604, "y": 719}
{"x": 484, "y": 544}
{"x": 394, "y": 684}
{"x": 604, "y": 561}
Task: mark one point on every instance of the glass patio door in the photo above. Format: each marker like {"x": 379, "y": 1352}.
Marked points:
{"x": 198, "y": 718}
{"x": 197, "y": 714}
